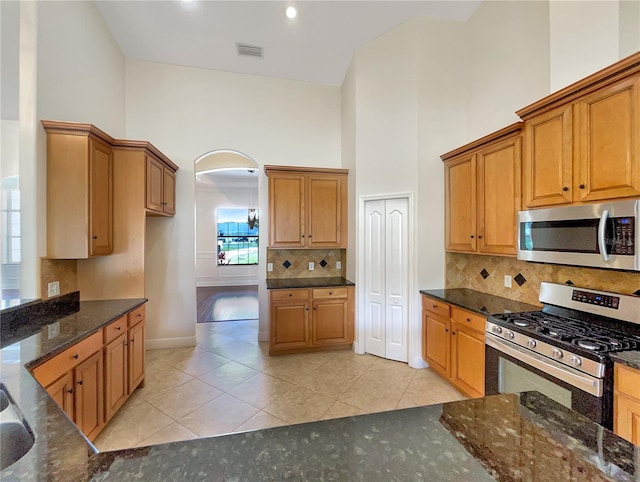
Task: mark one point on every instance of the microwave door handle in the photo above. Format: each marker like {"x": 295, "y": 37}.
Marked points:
{"x": 602, "y": 228}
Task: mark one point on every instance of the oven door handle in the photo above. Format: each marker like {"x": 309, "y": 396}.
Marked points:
{"x": 594, "y": 386}
{"x": 602, "y": 228}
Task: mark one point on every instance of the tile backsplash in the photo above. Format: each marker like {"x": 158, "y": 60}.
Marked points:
{"x": 486, "y": 274}
{"x": 63, "y": 270}
{"x": 294, "y": 263}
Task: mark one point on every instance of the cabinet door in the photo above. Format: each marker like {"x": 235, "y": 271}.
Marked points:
{"x": 326, "y": 212}
{"x": 155, "y": 183}
{"x": 548, "y": 158}
{"x": 467, "y": 360}
{"x": 136, "y": 356}
{"x": 169, "y": 191}
{"x": 329, "y": 322}
{"x": 460, "y": 204}
{"x": 89, "y": 395}
{"x": 626, "y": 418}
{"x": 438, "y": 349}
{"x": 609, "y": 142}
{"x": 287, "y": 205}
{"x": 100, "y": 199}
{"x": 498, "y": 196}
{"x": 115, "y": 372}
{"x": 62, "y": 392}
{"x": 289, "y": 324}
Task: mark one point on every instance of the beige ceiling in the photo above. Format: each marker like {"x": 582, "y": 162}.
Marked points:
{"x": 315, "y": 47}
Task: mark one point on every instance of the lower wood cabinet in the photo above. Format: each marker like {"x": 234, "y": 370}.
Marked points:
{"x": 91, "y": 380}
{"x": 453, "y": 345}
{"x": 311, "y": 319}
{"x": 626, "y": 403}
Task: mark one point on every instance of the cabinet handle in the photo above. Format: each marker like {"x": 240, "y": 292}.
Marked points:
{"x": 70, "y": 390}
{"x": 581, "y": 186}
{"x": 565, "y": 188}
{"x": 80, "y": 382}
{"x": 75, "y": 357}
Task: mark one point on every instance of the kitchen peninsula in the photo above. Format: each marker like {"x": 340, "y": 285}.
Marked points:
{"x": 454, "y": 441}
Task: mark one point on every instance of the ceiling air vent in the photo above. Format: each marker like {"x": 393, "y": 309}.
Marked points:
{"x": 249, "y": 50}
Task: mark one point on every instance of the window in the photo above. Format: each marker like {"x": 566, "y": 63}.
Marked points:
{"x": 237, "y": 236}
{"x": 11, "y": 226}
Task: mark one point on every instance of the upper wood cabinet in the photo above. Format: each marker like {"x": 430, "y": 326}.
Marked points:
{"x": 582, "y": 143}
{"x": 160, "y": 187}
{"x": 482, "y": 194}
{"x": 79, "y": 191}
{"x": 307, "y": 207}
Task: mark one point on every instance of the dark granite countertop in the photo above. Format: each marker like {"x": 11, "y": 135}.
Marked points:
{"x": 291, "y": 283}
{"x": 60, "y": 452}
{"x": 478, "y": 302}
{"x": 629, "y": 358}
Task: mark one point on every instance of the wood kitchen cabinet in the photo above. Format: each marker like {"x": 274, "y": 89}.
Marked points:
{"x": 92, "y": 379}
{"x": 311, "y": 319}
{"x": 626, "y": 403}
{"x": 582, "y": 143}
{"x": 79, "y": 191}
{"x": 453, "y": 345}
{"x": 482, "y": 194}
{"x": 160, "y": 187}
{"x": 307, "y": 207}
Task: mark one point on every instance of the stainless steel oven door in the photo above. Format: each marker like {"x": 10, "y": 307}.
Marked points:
{"x": 510, "y": 368}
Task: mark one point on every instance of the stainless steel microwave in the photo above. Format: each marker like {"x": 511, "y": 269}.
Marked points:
{"x": 603, "y": 235}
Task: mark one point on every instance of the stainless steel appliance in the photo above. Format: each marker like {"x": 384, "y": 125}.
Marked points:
{"x": 563, "y": 350}
{"x": 599, "y": 235}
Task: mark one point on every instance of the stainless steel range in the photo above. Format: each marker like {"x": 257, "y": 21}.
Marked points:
{"x": 563, "y": 350}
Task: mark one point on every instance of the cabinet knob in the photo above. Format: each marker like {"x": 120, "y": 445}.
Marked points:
{"x": 303, "y": 235}
{"x": 581, "y": 186}
{"x": 314, "y": 308}
{"x": 95, "y": 237}
{"x": 118, "y": 328}
{"x": 565, "y": 188}
{"x": 70, "y": 390}
{"x": 453, "y": 332}
{"x": 479, "y": 236}
{"x": 309, "y": 235}
{"x": 434, "y": 306}
{"x": 80, "y": 382}
{"x": 133, "y": 340}
{"x": 126, "y": 344}
{"x": 330, "y": 293}
{"x": 290, "y": 295}
{"x": 75, "y": 357}
{"x": 446, "y": 330}
{"x": 306, "y": 309}
{"x": 472, "y": 236}
{"x": 468, "y": 320}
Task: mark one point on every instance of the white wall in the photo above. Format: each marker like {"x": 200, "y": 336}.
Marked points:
{"x": 348, "y": 129}
{"x": 209, "y": 197}
{"x": 186, "y": 112}
{"x": 70, "y": 69}
{"x": 629, "y": 27}
{"x": 508, "y": 62}
{"x": 584, "y": 39}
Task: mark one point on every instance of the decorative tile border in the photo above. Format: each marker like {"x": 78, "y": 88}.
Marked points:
{"x": 294, "y": 263}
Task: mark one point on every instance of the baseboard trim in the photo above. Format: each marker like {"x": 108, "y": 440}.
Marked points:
{"x": 418, "y": 362}
{"x": 263, "y": 336}
{"x": 160, "y": 343}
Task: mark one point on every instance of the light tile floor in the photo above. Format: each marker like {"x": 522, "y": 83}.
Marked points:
{"x": 229, "y": 383}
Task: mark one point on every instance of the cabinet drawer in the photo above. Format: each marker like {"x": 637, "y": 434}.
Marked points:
{"x": 436, "y": 307}
{"x": 330, "y": 293}
{"x": 114, "y": 329}
{"x": 53, "y": 369}
{"x": 627, "y": 381}
{"x": 475, "y": 322}
{"x": 283, "y": 295}
{"x": 136, "y": 316}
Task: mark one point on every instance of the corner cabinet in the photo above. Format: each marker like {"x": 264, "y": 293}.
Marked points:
{"x": 453, "y": 345}
{"x": 307, "y": 207}
{"x": 311, "y": 319}
{"x": 79, "y": 191}
{"x": 582, "y": 143}
{"x": 482, "y": 194}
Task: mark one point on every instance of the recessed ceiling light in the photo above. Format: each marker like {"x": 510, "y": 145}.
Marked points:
{"x": 292, "y": 12}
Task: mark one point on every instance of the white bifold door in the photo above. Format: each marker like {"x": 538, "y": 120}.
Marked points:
{"x": 386, "y": 278}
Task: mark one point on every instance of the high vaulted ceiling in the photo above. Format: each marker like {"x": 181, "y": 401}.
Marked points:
{"x": 315, "y": 47}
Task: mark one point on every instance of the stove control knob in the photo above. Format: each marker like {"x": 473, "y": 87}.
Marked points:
{"x": 576, "y": 361}
{"x": 531, "y": 343}
{"x": 509, "y": 334}
{"x": 496, "y": 329}
{"x": 557, "y": 354}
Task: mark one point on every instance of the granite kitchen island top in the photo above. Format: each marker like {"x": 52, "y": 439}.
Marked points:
{"x": 478, "y": 302}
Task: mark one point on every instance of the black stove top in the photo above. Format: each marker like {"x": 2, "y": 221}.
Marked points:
{"x": 579, "y": 336}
